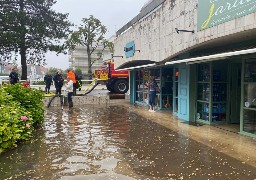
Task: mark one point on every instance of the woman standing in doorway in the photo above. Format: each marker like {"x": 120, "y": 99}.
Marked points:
{"x": 152, "y": 85}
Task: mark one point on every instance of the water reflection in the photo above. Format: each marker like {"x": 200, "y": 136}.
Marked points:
{"x": 110, "y": 142}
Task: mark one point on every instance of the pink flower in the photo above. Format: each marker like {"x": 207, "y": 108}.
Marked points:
{"x": 24, "y": 118}
{"x": 27, "y": 126}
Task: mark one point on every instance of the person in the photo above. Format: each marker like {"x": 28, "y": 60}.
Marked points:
{"x": 13, "y": 77}
{"x": 26, "y": 83}
{"x": 58, "y": 81}
{"x": 48, "y": 82}
{"x": 152, "y": 85}
{"x": 72, "y": 76}
{"x": 79, "y": 82}
{"x": 69, "y": 89}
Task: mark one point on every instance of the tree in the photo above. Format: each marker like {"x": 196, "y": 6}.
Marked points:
{"x": 30, "y": 28}
{"x": 90, "y": 34}
{"x": 78, "y": 72}
{"x": 52, "y": 70}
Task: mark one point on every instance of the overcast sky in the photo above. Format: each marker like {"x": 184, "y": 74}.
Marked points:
{"x": 112, "y": 13}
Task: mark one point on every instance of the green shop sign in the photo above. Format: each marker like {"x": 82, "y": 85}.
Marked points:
{"x": 214, "y": 12}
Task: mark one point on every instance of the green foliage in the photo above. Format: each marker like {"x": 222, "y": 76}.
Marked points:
{"x": 38, "y": 83}
{"x": 16, "y": 121}
{"x": 90, "y": 34}
{"x": 78, "y": 72}
{"x": 2, "y": 74}
{"x": 30, "y": 99}
{"x": 53, "y": 71}
{"x": 30, "y": 28}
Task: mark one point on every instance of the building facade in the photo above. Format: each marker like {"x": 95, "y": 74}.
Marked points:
{"x": 203, "y": 55}
{"x": 78, "y": 58}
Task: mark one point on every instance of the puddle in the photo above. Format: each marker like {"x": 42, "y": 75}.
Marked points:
{"x": 112, "y": 142}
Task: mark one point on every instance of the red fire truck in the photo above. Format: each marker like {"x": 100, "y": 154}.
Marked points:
{"x": 116, "y": 81}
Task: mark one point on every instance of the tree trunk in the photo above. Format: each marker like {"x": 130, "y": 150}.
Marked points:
{"x": 23, "y": 43}
{"x": 23, "y": 63}
{"x": 89, "y": 63}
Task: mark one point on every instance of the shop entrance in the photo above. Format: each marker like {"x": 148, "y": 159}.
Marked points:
{"x": 235, "y": 92}
{"x": 166, "y": 88}
{"x": 219, "y": 94}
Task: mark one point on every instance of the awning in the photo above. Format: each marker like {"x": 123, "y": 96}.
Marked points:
{"x": 135, "y": 64}
{"x": 214, "y": 57}
{"x": 137, "y": 67}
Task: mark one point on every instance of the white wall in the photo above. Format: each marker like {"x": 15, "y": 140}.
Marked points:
{"x": 157, "y": 40}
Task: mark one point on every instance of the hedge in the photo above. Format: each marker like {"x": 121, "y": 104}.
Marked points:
{"x": 21, "y": 111}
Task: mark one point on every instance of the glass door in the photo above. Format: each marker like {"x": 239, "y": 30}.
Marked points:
{"x": 235, "y": 91}
{"x": 249, "y": 106}
{"x": 140, "y": 88}
{"x": 167, "y": 88}
{"x": 176, "y": 90}
{"x": 219, "y": 92}
{"x": 203, "y": 92}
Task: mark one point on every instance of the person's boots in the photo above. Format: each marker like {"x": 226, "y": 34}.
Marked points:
{"x": 70, "y": 104}
{"x": 61, "y": 100}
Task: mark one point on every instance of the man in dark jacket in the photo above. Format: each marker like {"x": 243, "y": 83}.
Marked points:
{"x": 13, "y": 77}
{"x": 48, "y": 82}
{"x": 58, "y": 81}
{"x": 79, "y": 82}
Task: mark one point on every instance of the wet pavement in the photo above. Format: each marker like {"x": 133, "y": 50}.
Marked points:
{"x": 117, "y": 142}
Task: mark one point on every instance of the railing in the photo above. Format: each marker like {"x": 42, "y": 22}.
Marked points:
{"x": 39, "y": 84}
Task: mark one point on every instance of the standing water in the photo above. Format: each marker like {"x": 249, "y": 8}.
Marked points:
{"x": 111, "y": 142}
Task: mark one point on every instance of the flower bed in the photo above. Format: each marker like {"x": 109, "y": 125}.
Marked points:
{"x": 21, "y": 111}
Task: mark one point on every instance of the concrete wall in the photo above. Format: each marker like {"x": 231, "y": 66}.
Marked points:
{"x": 157, "y": 40}
{"x": 83, "y": 100}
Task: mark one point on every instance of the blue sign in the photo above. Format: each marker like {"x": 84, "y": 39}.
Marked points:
{"x": 129, "y": 49}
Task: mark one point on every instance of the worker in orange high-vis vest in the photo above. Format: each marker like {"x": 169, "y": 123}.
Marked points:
{"x": 72, "y": 77}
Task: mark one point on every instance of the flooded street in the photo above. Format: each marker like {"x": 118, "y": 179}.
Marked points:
{"x": 113, "y": 142}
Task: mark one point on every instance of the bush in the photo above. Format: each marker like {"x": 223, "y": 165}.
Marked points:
{"x": 38, "y": 83}
{"x": 21, "y": 109}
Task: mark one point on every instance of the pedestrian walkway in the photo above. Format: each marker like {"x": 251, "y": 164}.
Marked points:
{"x": 223, "y": 139}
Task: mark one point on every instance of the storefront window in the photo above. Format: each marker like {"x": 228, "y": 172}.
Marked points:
{"x": 219, "y": 92}
{"x": 141, "y": 89}
{"x": 164, "y": 79}
{"x": 249, "y": 107}
{"x": 212, "y": 92}
{"x": 203, "y": 92}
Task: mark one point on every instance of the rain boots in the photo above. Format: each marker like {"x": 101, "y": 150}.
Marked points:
{"x": 70, "y": 104}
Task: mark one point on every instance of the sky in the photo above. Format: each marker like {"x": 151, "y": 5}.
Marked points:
{"x": 114, "y": 14}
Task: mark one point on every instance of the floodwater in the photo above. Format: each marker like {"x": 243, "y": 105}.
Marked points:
{"x": 113, "y": 142}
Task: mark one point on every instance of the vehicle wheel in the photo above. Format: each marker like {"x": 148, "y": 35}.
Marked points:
{"x": 121, "y": 86}
{"x": 109, "y": 87}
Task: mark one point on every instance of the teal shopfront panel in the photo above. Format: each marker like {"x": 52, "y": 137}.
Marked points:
{"x": 132, "y": 86}
{"x": 183, "y": 92}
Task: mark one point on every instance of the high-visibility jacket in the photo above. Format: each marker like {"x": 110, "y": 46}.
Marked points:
{"x": 72, "y": 76}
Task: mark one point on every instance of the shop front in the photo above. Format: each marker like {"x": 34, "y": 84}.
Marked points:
{"x": 173, "y": 82}
{"x": 164, "y": 77}
{"x": 224, "y": 91}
